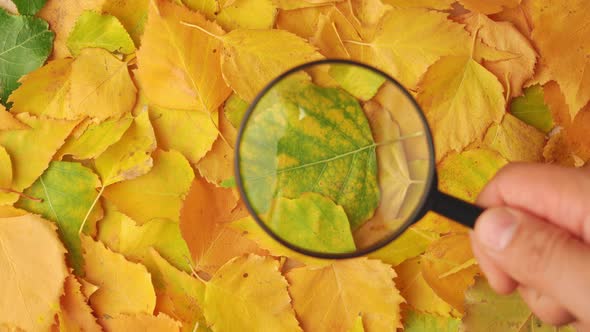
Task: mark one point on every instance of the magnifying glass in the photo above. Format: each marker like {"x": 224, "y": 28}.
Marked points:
{"x": 335, "y": 159}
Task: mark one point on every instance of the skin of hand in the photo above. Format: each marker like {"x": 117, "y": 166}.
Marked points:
{"x": 534, "y": 237}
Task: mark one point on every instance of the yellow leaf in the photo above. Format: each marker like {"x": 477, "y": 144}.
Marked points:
{"x": 252, "y": 58}
{"x": 123, "y": 287}
{"x": 75, "y": 314}
{"x": 561, "y": 35}
{"x": 411, "y": 243}
{"x": 513, "y": 73}
{"x": 95, "y": 138}
{"x": 205, "y": 7}
{"x": 179, "y": 295}
{"x": 188, "y": 132}
{"x": 515, "y": 140}
{"x": 46, "y": 91}
{"x": 461, "y": 100}
{"x": 103, "y": 91}
{"x": 157, "y": 194}
{"x": 519, "y": 16}
{"x": 31, "y": 150}
{"x": 302, "y": 4}
{"x": 249, "y": 293}
{"x": 32, "y": 270}
{"x": 218, "y": 164}
{"x": 449, "y": 268}
{"x": 130, "y": 156}
{"x": 141, "y": 322}
{"x": 261, "y": 15}
{"x": 120, "y": 234}
{"x": 8, "y": 121}
{"x": 489, "y": 6}
{"x": 6, "y": 197}
{"x": 427, "y": 36}
{"x": 205, "y": 214}
{"x": 433, "y": 4}
{"x": 62, "y": 16}
{"x": 416, "y": 291}
{"x": 132, "y": 15}
{"x": 328, "y": 40}
{"x": 340, "y": 290}
{"x": 464, "y": 175}
{"x": 186, "y": 75}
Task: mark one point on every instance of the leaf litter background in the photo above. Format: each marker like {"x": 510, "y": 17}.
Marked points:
{"x": 117, "y": 210}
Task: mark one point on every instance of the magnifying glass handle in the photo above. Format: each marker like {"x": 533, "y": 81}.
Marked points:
{"x": 457, "y": 209}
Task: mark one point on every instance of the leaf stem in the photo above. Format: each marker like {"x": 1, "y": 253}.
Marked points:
{"x": 22, "y": 195}
{"x": 90, "y": 210}
{"x": 354, "y": 42}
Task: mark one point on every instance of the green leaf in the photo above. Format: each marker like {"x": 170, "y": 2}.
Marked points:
{"x": 101, "y": 31}
{"x": 68, "y": 191}
{"x": 29, "y": 7}
{"x": 422, "y": 322}
{"x": 305, "y": 138}
{"x": 487, "y": 311}
{"x": 358, "y": 81}
{"x": 312, "y": 222}
{"x": 235, "y": 108}
{"x": 531, "y": 109}
{"x": 26, "y": 44}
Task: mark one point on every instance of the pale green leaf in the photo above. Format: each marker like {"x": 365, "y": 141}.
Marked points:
{"x": 531, "y": 109}
{"x": 102, "y": 31}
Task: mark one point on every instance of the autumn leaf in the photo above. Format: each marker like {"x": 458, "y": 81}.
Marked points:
{"x": 102, "y": 91}
{"x": 8, "y": 121}
{"x": 204, "y": 216}
{"x": 407, "y": 56}
{"x": 218, "y": 164}
{"x": 31, "y": 150}
{"x": 311, "y": 222}
{"x": 416, "y": 321}
{"x": 340, "y": 290}
{"x": 6, "y": 196}
{"x": 123, "y": 287}
{"x": 261, "y": 14}
{"x": 457, "y": 92}
{"x": 433, "y": 4}
{"x": 185, "y": 77}
{"x": 417, "y": 292}
{"x": 234, "y": 109}
{"x": 122, "y": 235}
{"x": 103, "y": 31}
{"x": 33, "y": 272}
{"x": 532, "y": 110}
{"x": 489, "y": 6}
{"x": 448, "y": 267}
{"x": 141, "y": 322}
{"x": 75, "y": 314}
{"x": 560, "y": 33}
{"x": 515, "y": 140}
{"x": 411, "y": 243}
{"x": 311, "y": 154}
{"x": 132, "y": 14}
{"x": 249, "y": 291}
{"x": 29, "y": 7}
{"x": 488, "y": 311}
{"x": 69, "y": 206}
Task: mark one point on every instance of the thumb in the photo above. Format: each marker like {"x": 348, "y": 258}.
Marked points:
{"x": 538, "y": 255}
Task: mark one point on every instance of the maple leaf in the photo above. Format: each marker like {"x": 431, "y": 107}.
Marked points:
{"x": 28, "y": 245}
{"x": 95, "y": 30}
{"x": 341, "y": 289}
{"x": 407, "y": 56}
{"x": 488, "y": 311}
{"x": 417, "y": 292}
{"x": 69, "y": 206}
{"x": 188, "y": 75}
{"x": 75, "y": 314}
{"x": 26, "y": 46}
{"x": 461, "y": 99}
{"x": 449, "y": 268}
{"x": 203, "y": 218}
{"x": 560, "y": 34}
{"x": 157, "y": 194}
{"x": 515, "y": 140}
{"x": 123, "y": 287}
{"x": 249, "y": 291}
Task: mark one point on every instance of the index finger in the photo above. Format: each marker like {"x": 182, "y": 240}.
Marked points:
{"x": 556, "y": 194}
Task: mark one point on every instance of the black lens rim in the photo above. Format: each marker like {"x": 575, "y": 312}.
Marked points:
{"x": 426, "y": 200}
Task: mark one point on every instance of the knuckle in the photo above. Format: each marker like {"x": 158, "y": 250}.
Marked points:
{"x": 552, "y": 316}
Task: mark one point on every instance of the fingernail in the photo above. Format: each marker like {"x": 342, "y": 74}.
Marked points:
{"x": 496, "y": 227}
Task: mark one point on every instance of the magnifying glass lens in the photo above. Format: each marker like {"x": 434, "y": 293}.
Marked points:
{"x": 334, "y": 158}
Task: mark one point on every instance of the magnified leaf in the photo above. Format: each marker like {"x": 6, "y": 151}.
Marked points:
{"x": 26, "y": 45}
{"x": 32, "y": 270}
{"x": 249, "y": 291}
{"x": 312, "y": 222}
{"x": 69, "y": 206}
{"x": 305, "y": 138}
{"x": 104, "y": 31}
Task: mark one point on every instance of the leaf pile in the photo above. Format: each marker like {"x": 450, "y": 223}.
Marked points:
{"x": 117, "y": 128}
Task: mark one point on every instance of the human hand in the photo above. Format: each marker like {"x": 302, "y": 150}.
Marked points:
{"x": 535, "y": 237}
